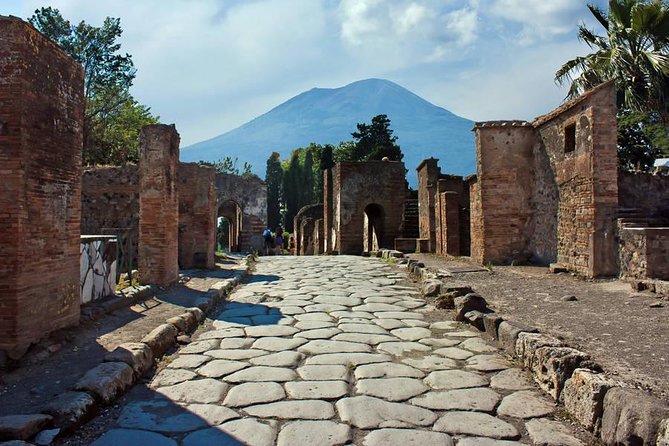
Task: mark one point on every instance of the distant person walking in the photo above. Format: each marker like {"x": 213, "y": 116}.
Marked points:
{"x": 269, "y": 240}
{"x": 278, "y": 240}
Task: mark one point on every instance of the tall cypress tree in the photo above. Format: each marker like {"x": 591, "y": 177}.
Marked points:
{"x": 291, "y": 188}
{"x": 274, "y": 180}
{"x": 308, "y": 179}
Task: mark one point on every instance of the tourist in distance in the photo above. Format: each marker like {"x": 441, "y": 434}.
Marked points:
{"x": 278, "y": 240}
{"x": 269, "y": 240}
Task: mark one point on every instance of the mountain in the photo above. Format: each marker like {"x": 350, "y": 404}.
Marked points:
{"x": 329, "y": 115}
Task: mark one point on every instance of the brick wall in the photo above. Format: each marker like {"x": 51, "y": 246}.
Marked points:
{"x": 158, "y": 204}
{"x": 197, "y": 215}
{"x": 304, "y": 233}
{"x": 363, "y": 184}
{"x": 428, "y": 177}
{"x": 41, "y": 121}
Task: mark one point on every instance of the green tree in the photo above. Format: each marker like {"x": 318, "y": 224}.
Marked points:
{"x": 229, "y": 165}
{"x": 376, "y": 141}
{"x": 344, "y": 152}
{"x": 292, "y": 188}
{"x": 274, "y": 181}
{"x": 111, "y": 114}
{"x": 307, "y": 181}
{"x": 641, "y": 139}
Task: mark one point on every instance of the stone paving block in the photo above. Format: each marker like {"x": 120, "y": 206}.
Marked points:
{"x": 454, "y": 353}
{"x": 234, "y": 332}
{"x": 387, "y": 370}
{"x": 262, "y": 373}
{"x": 237, "y": 432}
{"x": 168, "y": 377}
{"x": 384, "y": 437}
{"x": 107, "y": 380}
{"x": 431, "y": 363}
{"x": 389, "y": 324}
{"x": 232, "y": 343}
{"x": 279, "y": 359}
{"x": 440, "y": 343}
{"x": 476, "y": 424}
{"x": 364, "y": 338}
{"x": 159, "y": 416}
{"x": 22, "y": 427}
{"x": 236, "y": 354}
{"x": 400, "y": 348}
{"x": 412, "y": 333}
{"x": 487, "y": 363}
{"x": 321, "y": 346}
{"x": 205, "y": 390}
{"x": 213, "y": 414}
{"x": 270, "y": 330}
{"x": 250, "y": 393}
{"x": 292, "y": 410}
{"x": 545, "y": 432}
{"x": 478, "y": 399}
{"x": 583, "y": 397}
{"x": 188, "y": 361}
{"x": 455, "y": 379}
{"x": 525, "y": 404}
{"x": 221, "y": 367}
{"x": 391, "y": 389}
{"x": 275, "y": 344}
{"x": 512, "y": 379}
{"x": 319, "y": 333}
{"x": 132, "y": 437}
{"x": 482, "y": 441}
{"x": 477, "y": 345}
{"x": 324, "y": 372}
{"x": 322, "y": 390}
{"x": 314, "y": 433}
{"x": 367, "y": 412}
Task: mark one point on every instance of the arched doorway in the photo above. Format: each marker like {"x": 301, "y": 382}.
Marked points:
{"x": 373, "y": 228}
{"x": 229, "y": 226}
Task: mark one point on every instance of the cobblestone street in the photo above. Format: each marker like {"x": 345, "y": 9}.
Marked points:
{"x": 330, "y": 350}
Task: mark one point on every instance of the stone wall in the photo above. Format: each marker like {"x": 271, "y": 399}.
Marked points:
{"x": 158, "y": 205}
{"x": 644, "y": 253}
{"x": 375, "y": 186}
{"x": 428, "y": 177}
{"x": 41, "y": 124}
{"x": 197, "y": 215}
{"x": 646, "y": 193}
{"x": 250, "y": 194}
{"x": 308, "y": 241}
{"x": 98, "y": 267}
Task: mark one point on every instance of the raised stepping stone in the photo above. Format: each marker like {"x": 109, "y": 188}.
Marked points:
{"x": 512, "y": 379}
{"x": 482, "y": 441}
{"x": 325, "y": 308}
{"x": 412, "y": 334}
{"x": 399, "y": 315}
{"x": 262, "y": 373}
{"x": 314, "y": 433}
{"x": 387, "y": 370}
{"x": 159, "y": 416}
{"x": 200, "y": 346}
{"x": 399, "y": 348}
{"x": 270, "y": 330}
{"x": 478, "y": 399}
{"x": 278, "y": 344}
{"x": 324, "y": 372}
{"x": 197, "y": 391}
{"x": 314, "y": 317}
{"x": 169, "y": 377}
{"x": 319, "y": 333}
{"x": 22, "y": 427}
{"x": 455, "y": 379}
{"x": 478, "y": 345}
{"x": 439, "y": 343}
{"x": 362, "y": 328}
{"x": 233, "y": 433}
{"x": 364, "y": 338}
{"x": 233, "y": 354}
{"x": 377, "y": 306}
{"x": 385, "y": 437}
{"x": 188, "y": 361}
{"x": 311, "y": 325}
{"x": 326, "y": 346}
{"x": 431, "y": 363}
{"x": 322, "y": 390}
{"x": 348, "y": 359}
{"x": 291, "y": 410}
{"x": 280, "y": 359}
{"x": 213, "y": 414}
{"x": 476, "y": 423}
{"x": 132, "y": 437}
{"x": 525, "y": 404}
{"x": 550, "y": 433}
{"x": 232, "y": 343}
{"x": 367, "y": 412}
{"x": 487, "y": 363}
{"x": 391, "y": 389}
{"x": 454, "y": 353}
{"x": 346, "y": 301}
{"x": 254, "y": 393}
{"x": 353, "y": 315}
{"x": 220, "y": 367}
{"x": 389, "y": 324}
{"x": 223, "y": 333}
{"x": 446, "y": 325}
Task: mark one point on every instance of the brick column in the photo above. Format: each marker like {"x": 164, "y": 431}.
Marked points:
{"x": 158, "y": 204}
{"x": 451, "y": 223}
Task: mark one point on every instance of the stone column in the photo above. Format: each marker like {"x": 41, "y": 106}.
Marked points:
{"x": 158, "y": 205}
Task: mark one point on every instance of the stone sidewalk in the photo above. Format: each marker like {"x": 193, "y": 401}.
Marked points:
{"x": 337, "y": 350}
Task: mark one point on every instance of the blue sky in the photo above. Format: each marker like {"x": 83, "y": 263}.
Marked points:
{"x": 211, "y": 65}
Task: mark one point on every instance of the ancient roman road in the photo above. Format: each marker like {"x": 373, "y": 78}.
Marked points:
{"x": 331, "y": 351}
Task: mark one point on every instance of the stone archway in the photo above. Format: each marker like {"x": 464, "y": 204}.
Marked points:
{"x": 373, "y": 227}
{"x": 232, "y": 214}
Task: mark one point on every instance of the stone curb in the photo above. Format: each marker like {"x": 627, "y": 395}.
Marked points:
{"x": 613, "y": 412}
{"x": 121, "y": 368}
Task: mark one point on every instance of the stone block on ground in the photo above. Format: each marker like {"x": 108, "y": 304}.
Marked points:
{"x": 430, "y": 288}
{"x": 445, "y": 301}
{"x": 475, "y": 319}
{"x": 631, "y": 417}
{"x": 71, "y": 409}
{"x": 22, "y": 427}
{"x": 190, "y": 319}
{"x": 137, "y": 355}
{"x": 491, "y": 322}
{"x": 178, "y": 322}
{"x": 528, "y": 343}
{"x": 467, "y": 303}
{"x": 550, "y": 433}
{"x": 107, "y": 380}
{"x": 195, "y": 311}
{"x": 507, "y": 335}
{"x": 583, "y": 397}
{"x": 161, "y": 339}
{"x": 553, "y": 366}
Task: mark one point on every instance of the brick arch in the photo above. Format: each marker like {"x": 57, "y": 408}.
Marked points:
{"x": 308, "y": 230}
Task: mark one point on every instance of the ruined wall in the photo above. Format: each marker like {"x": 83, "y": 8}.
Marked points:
{"x": 307, "y": 239}
{"x": 503, "y": 155}
{"x": 645, "y": 192}
{"x": 158, "y": 205}
{"x": 428, "y": 177}
{"x": 357, "y": 186}
{"x": 644, "y": 253}
{"x": 110, "y": 200}
{"x": 250, "y": 194}
{"x": 197, "y": 215}
{"x": 583, "y": 166}
{"x": 41, "y": 123}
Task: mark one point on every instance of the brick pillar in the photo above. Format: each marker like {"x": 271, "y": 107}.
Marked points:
{"x": 451, "y": 223}
{"x": 158, "y": 204}
{"x": 41, "y": 124}
{"x": 197, "y": 215}
{"x": 428, "y": 177}
{"x": 328, "y": 197}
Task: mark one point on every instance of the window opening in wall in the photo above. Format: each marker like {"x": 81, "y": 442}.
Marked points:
{"x": 570, "y": 138}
